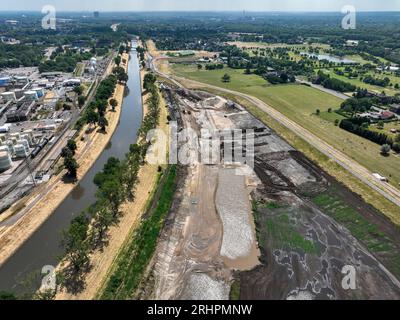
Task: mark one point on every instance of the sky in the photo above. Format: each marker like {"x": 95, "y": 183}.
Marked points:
{"x": 200, "y": 5}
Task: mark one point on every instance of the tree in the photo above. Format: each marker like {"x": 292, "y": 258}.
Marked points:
{"x": 199, "y": 67}
{"x": 66, "y": 153}
{"x": 118, "y": 70}
{"x": 7, "y": 296}
{"x": 78, "y": 90}
{"x": 149, "y": 81}
{"x": 330, "y": 110}
{"x": 337, "y": 122}
{"x": 381, "y": 125}
{"x": 113, "y": 192}
{"x": 397, "y": 138}
{"x": 123, "y": 77}
{"x": 385, "y": 150}
{"x": 75, "y": 244}
{"x": 117, "y": 61}
{"x": 318, "y": 112}
{"x": 102, "y": 220}
{"x": 71, "y": 145}
{"x": 72, "y": 167}
{"x": 81, "y": 101}
{"x": 92, "y": 117}
{"x": 121, "y": 49}
{"x": 103, "y": 123}
{"x": 226, "y": 78}
{"x": 396, "y": 147}
{"x": 113, "y": 104}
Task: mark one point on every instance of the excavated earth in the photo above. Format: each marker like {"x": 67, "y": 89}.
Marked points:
{"x": 258, "y": 228}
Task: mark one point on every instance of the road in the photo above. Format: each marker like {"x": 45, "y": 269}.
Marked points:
{"x": 321, "y": 88}
{"x": 385, "y": 189}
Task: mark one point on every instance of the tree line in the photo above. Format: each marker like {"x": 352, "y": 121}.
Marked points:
{"x": 334, "y": 84}
{"x": 115, "y": 184}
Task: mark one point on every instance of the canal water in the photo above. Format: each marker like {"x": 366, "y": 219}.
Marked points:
{"x": 43, "y": 247}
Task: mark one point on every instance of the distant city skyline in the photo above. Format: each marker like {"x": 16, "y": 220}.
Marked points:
{"x": 200, "y": 5}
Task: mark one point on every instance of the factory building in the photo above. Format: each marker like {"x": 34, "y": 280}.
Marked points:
{"x": 20, "y": 113}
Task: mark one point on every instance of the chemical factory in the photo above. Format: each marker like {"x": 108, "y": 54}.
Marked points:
{"x": 37, "y": 113}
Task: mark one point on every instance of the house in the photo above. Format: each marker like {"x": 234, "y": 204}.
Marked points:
{"x": 387, "y": 115}
{"x": 395, "y": 108}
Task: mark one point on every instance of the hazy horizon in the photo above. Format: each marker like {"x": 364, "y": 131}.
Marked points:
{"x": 201, "y": 5}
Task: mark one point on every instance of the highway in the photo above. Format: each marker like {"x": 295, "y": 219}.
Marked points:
{"x": 385, "y": 189}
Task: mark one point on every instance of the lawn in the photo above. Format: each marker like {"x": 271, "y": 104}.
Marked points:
{"x": 357, "y": 82}
{"x": 299, "y": 103}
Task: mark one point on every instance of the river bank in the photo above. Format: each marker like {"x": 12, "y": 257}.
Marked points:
{"x": 43, "y": 202}
{"x": 104, "y": 262}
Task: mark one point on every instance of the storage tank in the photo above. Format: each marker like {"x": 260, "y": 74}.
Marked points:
{"x": 93, "y": 61}
{"x": 25, "y": 143}
{"x": 5, "y": 161}
{"x": 10, "y": 146}
{"x": 39, "y": 92}
{"x": 4, "y": 81}
{"x": 4, "y": 148}
{"x": 14, "y": 136}
{"x": 9, "y": 96}
{"x": 28, "y": 138}
{"x": 30, "y": 95}
{"x": 20, "y": 151}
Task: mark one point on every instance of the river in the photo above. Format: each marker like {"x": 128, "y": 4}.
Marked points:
{"x": 43, "y": 247}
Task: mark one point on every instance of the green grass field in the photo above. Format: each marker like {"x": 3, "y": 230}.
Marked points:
{"x": 359, "y": 83}
{"x": 299, "y": 103}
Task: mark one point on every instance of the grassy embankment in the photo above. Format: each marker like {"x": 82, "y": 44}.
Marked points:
{"x": 133, "y": 259}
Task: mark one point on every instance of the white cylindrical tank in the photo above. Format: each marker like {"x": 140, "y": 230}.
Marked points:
{"x": 30, "y": 95}
{"x": 5, "y": 161}
{"x": 10, "y": 145}
{"x": 15, "y": 136}
{"x": 9, "y": 96}
{"x": 4, "y": 148}
{"x": 24, "y": 142}
{"x": 20, "y": 151}
{"x": 13, "y": 140}
{"x": 28, "y": 138}
{"x": 93, "y": 61}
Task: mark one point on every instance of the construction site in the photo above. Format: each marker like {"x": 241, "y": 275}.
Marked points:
{"x": 249, "y": 230}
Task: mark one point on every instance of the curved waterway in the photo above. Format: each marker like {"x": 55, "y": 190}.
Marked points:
{"x": 43, "y": 247}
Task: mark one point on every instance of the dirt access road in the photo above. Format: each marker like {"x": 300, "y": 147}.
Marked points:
{"x": 389, "y": 192}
